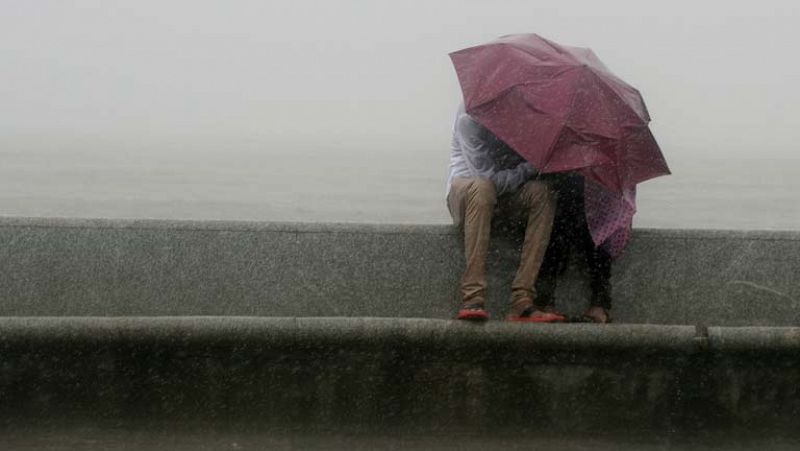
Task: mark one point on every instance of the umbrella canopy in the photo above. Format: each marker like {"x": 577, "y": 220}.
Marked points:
{"x": 609, "y": 216}
{"x": 561, "y": 109}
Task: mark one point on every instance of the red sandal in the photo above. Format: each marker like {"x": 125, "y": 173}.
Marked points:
{"x": 529, "y": 315}
{"x": 474, "y": 312}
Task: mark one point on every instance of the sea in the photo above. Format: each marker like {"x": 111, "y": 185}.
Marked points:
{"x": 364, "y": 186}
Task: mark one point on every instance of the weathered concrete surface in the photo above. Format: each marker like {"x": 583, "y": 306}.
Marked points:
{"x": 425, "y": 333}
{"x": 373, "y": 374}
{"x": 112, "y": 268}
{"x": 218, "y": 322}
{"x": 75, "y": 267}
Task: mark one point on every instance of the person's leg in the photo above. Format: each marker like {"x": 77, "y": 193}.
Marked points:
{"x": 599, "y": 267}
{"x": 547, "y": 281}
{"x": 471, "y": 202}
{"x": 538, "y": 201}
{"x": 573, "y": 234}
{"x": 558, "y": 252}
{"x": 600, "y": 273}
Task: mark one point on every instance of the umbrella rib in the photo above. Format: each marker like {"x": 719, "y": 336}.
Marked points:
{"x": 646, "y": 119}
{"x": 555, "y": 141}
{"x": 508, "y": 89}
{"x": 564, "y": 122}
{"x": 530, "y": 55}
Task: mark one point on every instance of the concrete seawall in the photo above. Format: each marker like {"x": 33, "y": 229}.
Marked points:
{"x": 76, "y": 267}
{"x": 327, "y": 326}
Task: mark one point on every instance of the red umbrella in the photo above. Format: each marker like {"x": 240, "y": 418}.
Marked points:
{"x": 561, "y": 109}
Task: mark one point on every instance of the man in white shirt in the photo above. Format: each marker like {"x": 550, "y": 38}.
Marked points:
{"x": 484, "y": 169}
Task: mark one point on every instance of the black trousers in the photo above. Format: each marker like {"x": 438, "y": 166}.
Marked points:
{"x": 570, "y": 238}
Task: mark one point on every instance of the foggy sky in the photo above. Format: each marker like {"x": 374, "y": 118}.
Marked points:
{"x": 718, "y": 77}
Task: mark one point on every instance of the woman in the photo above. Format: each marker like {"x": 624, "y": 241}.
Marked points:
{"x": 571, "y": 236}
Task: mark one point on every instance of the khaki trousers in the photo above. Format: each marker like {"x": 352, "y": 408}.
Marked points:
{"x": 472, "y": 203}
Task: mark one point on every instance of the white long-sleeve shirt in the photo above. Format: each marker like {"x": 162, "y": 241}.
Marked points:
{"x": 477, "y": 152}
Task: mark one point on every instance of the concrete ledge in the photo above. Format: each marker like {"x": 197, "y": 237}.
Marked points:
{"x": 354, "y": 331}
{"x": 96, "y": 267}
{"x": 754, "y": 339}
{"x": 344, "y": 227}
{"x": 333, "y": 331}
{"x": 217, "y": 225}
{"x": 410, "y": 374}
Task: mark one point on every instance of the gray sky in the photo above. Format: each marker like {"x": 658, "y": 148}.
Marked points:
{"x": 719, "y": 77}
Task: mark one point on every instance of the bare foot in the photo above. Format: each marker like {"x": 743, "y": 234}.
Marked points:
{"x": 597, "y": 315}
